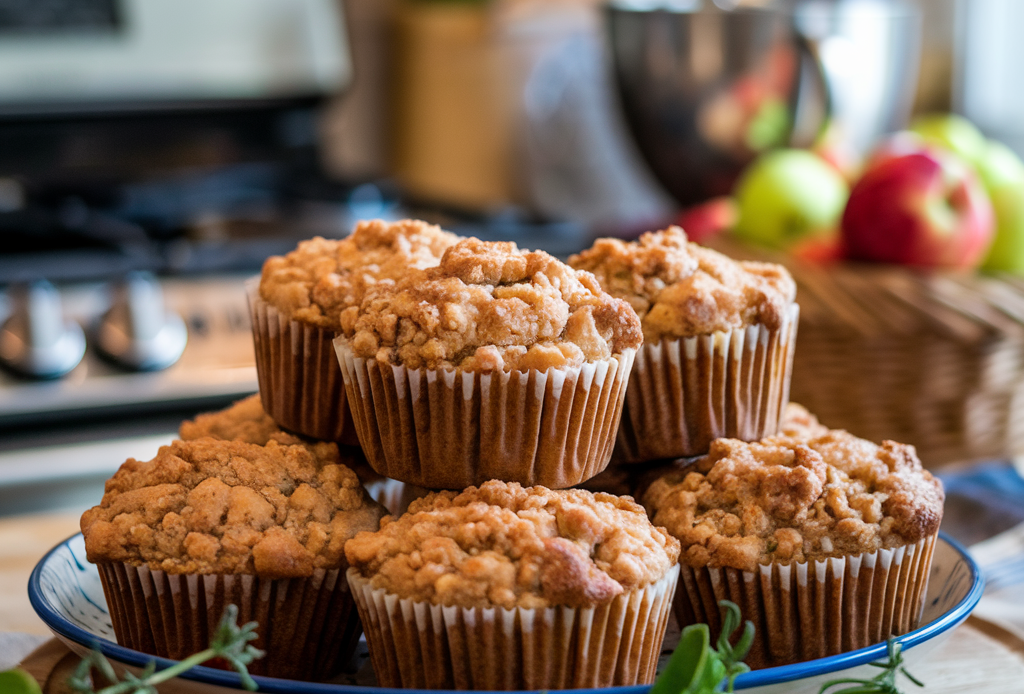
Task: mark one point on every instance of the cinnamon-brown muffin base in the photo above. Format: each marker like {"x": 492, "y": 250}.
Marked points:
{"x": 420, "y": 645}
{"x": 454, "y": 429}
{"x": 815, "y": 609}
{"x": 300, "y": 384}
{"x": 685, "y": 393}
{"x": 307, "y": 626}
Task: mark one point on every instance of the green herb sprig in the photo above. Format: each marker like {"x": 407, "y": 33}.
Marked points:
{"x": 230, "y": 642}
{"x": 696, "y": 668}
{"x": 882, "y": 683}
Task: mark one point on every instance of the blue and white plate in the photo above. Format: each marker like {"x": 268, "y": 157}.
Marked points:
{"x": 65, "y": 591}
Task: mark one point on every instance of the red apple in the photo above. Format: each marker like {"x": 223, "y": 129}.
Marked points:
{"x": 922, "y": 208}
{"x": 708, "y": 219}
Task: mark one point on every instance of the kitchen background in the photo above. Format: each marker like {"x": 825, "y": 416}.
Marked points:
{"x": 153, "y": 154}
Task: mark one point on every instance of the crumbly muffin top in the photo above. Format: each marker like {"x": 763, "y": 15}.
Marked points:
{"x": 787, "y": 499}
{"x": 798, "y": 423}
{"x": 503, "y": 545}
{"x": 244, "y": 421}
{"x": 248, "y": 422}
{"x": 228, "y": 507}
{"x": 681, "y": 289}
{"x": 491, "y": 307}
{"x": 321, "y": 277}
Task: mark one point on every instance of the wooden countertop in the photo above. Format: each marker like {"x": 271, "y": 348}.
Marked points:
{"x": 23, "y": 542}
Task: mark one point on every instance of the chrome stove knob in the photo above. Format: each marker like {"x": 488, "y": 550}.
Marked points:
{"x": 138, "y": 332}
{"x": 36, "y": 341}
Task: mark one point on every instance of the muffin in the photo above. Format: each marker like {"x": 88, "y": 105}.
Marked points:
{"x": 824, "y": 540}
{"x": 718, "y": 343}
{"x": 207, "y": 523}
{"x": 295, "y": 307}
{"x": 506, "y": 587}
{"x": 496, "y": 364}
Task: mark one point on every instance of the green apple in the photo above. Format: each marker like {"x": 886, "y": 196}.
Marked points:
{"x": 952, "y": 132}
{"x": 17, "y": 681}
{"x": 788, "y": 197}
{"x": 1002, "y": 174}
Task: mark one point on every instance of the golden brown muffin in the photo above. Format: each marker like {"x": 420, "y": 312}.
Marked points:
{"x": 814, "y": 518}
{"x": 583, "y": 581}
{"x": 718, "y": 343}
{"x": 681, "y": 289}
{"x": 503, "y": 545}
{"x": 226, "y": 507}
{"x": 295, "y": 306}
{"x": 787, "y": 499}
{"x": 491, "y": 307}
{"x": 321, "y": 277}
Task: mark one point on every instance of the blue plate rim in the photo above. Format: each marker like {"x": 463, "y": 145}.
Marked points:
{"x": 756, "y": 678}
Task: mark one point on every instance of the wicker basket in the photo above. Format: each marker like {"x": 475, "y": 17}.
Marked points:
{"x": 931, "y": 359}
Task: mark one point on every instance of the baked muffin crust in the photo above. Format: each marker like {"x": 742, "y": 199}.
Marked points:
{"x": 491, "y": 307}
{"x": 321, "y": 277}
{"x": 247, "y": 422}
{"x": 798, "y": 423}
{"x": 228, "y": 507}
{"x": 680, "y": 289}
{"x": 790, "y": 499}
{"x": 244, "y": 421}
{"x": 503, "y": 545}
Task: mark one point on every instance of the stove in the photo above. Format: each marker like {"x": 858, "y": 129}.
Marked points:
{"x": 216, "y": 366}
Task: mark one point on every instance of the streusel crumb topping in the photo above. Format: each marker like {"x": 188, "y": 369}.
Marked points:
{"x": 313, "y": 283}
{"x": 681, "y": 289}
{"x": 798, "y": 423}
{"x": 787, "y": 499}
{"x": 503, "y": 545}
{"x": 491, "y": 307}
{"x": 227, "y": 507}
{"x": 246, "y": 421}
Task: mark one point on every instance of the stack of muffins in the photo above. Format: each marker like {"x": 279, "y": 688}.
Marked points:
{"x": 404, "y": 359}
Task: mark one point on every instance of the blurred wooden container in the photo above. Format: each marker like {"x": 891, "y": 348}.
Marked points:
{"x": 931, "y": 359}
{"x": 451, "y": 122}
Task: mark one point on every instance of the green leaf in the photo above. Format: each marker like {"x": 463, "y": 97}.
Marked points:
{"x": 17, "y": 681}
{"x": 688, "y": 662}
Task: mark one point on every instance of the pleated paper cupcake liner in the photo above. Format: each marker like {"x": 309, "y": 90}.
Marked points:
{"x": 683, "y": 394}
{"x": 300, "y": 383}
{"x": 307, "y": 626}
{"x": 814, "y": 609}
{"x": 454, "y": 429}
{"x": 420, "y": 645}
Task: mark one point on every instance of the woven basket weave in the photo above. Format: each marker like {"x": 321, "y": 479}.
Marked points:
{"x": 931, "y": 359}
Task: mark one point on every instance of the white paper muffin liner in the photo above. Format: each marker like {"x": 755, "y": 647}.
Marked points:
{"x": 393, "y": 495}
{"x": 307, "y": 626}
{"x": 300, "y": 384}
{"x": 685, "y": 393}
{"x": 420, "y": 645}
{"x": 814, "y": 609}
{"x": 443, "y": 429}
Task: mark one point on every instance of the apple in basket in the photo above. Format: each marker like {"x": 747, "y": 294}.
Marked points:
{"x": 918, "y": 206}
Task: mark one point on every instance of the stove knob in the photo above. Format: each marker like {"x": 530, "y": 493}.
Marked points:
{"x": 36, "y": 341}
{"x": 138, "y": 332}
